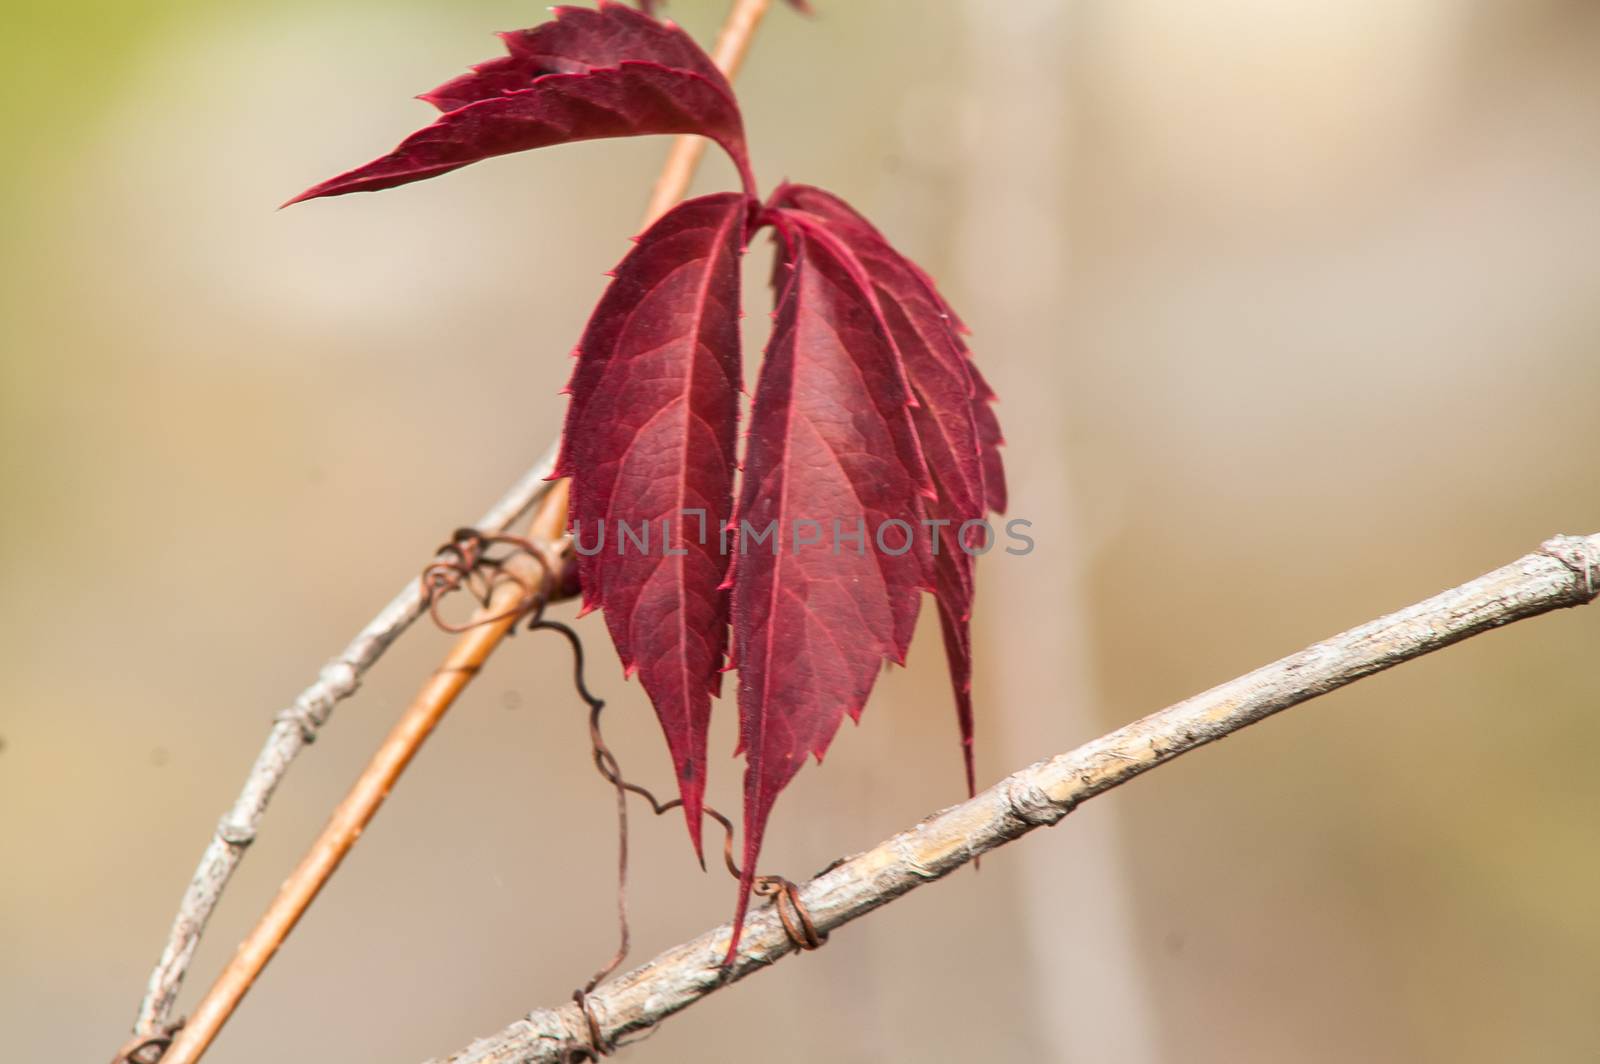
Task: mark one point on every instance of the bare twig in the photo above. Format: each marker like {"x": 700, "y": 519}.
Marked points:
{"x": 1564, "y": 572}
{"x": 504, "y": 607}
{"x": 292, "y": 730}
{"x": 297, "y": 726}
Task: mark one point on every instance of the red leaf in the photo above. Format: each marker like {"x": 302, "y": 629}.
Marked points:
{"x": 870, "y": 418}
{"x": 576, "y": 41}
{"x": 846, "y": 220}
{"x": 994, "y": 473}
{"x": 830, "y": 441}
{"x": 950, "y": 398}
{"x": 654, "y": 79}
{"x": 650, "y": 433}
{"x": 923, "y": 329}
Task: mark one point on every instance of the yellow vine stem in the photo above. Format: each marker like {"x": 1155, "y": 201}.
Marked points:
{"x": 491, "y": 624}
{"x": 464, "y": 660}
{"x": 733, "y": 41}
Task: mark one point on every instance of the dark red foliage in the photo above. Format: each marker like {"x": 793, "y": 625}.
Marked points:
{"x": 994, "y": 473}
{"x": 941, "y": 377}
{"x": 649, "y": 438}
{"x": 576, "y": 41}
{"x": 869, "y": 418}
{"x": 589, "y": 75}
{"x": 831, "y": 445}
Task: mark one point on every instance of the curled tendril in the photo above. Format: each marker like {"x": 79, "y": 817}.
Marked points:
{"x": 796, "y": 920}
{"x": 479, "y": 563}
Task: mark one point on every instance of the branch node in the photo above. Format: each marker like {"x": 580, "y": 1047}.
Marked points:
{"x": 1031, "y": 804}
{"x": 235, "y": 834}
{"x": 340, "y": 679}
{"x": 337, "y": 680}
{"x": 1581, "y": 554}
{"x": 301, "y": 719}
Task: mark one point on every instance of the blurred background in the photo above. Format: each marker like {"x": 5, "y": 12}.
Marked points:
{"x": 1293, "y": 310}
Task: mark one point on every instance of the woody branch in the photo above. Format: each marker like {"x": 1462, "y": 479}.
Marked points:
{"x": 1564, "y": 572}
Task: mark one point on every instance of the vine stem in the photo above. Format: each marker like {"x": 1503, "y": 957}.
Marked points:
{"x": 490, "y": 624}
{"x": 465, "y": 659}
{"x": 1564, "y": 572}
{"x": 733, "y": 43}
{"x": 292, "y": 731}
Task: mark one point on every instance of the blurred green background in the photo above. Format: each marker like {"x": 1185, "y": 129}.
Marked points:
{"x": 1293, "y": 309}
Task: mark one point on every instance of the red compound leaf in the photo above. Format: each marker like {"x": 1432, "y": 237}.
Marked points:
{"x": 649, "y": 445}
{"x": 831, "y": 452}
{"x": 870, "y": 426}
{"x": 588, "y": 75}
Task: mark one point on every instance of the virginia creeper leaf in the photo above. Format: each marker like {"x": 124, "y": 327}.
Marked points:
{"x": 576, "y": 41}
{"x": 994, "y": 473}
{"x": 830, "y": 450}
{"x": 934, "y": 358}
{"x": 844, "y": 219}
{"x": 870, "y": 426}
{"x": 640, "y": 91}
{"x": 649, "y": 438}
{"x": 942, "y": 378}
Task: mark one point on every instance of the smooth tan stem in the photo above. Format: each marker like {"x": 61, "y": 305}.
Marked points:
{"x": 733, "y": 42}
{"x": 291, "y": 734}
{"x": 472, "y": 648}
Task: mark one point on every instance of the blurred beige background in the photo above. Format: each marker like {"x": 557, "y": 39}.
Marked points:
{"x": 1293, "y": 308}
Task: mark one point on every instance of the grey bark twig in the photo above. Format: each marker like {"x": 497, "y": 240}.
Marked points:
{"x": 292, "y": 730}
{"x": 1564, "y": 572}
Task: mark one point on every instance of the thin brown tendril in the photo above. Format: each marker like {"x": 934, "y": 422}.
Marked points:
{"x": 797, "y": 922}
{"x": 478, "y": 563}
{"x": 791, "y": 910}
{"x": 471, "y": 561}
{"x": 597, "y": 1046}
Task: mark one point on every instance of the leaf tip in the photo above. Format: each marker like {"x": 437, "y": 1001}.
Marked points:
{"x": 746, "y": 882}
{"x": 310, "y": 193}
{"x": 691, "y": 792}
